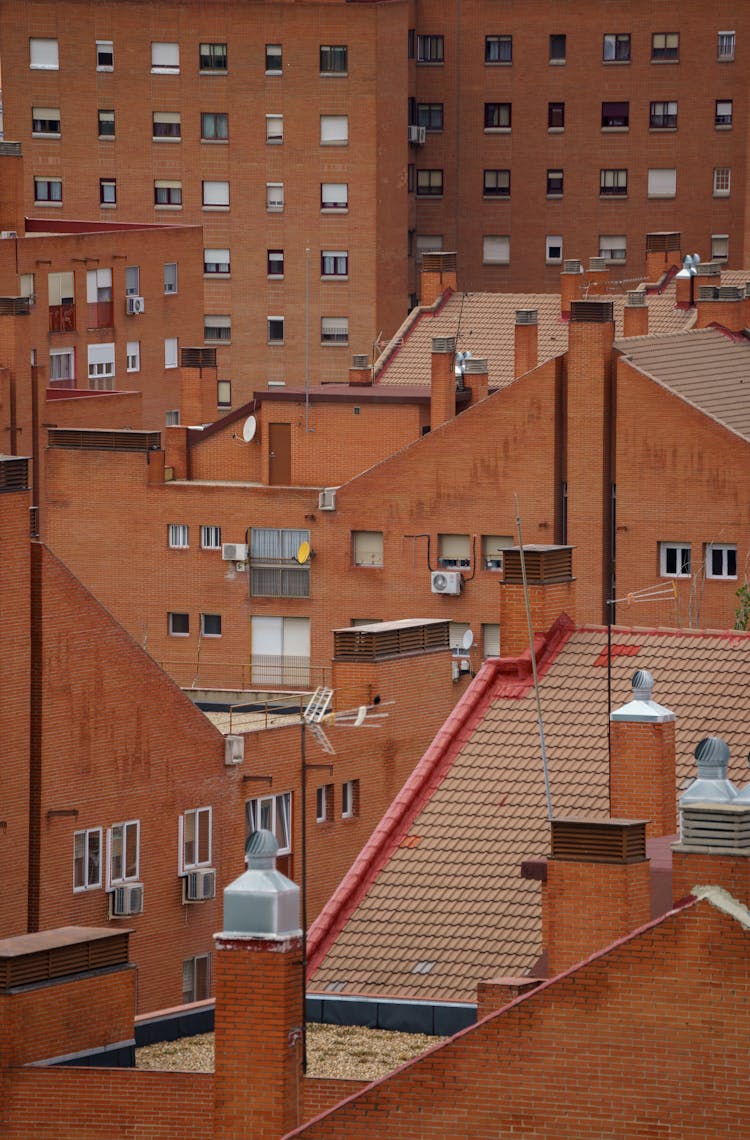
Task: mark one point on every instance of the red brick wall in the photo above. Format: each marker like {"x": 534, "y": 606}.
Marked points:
{"x": 546, "y": 603}
{"x": 695, "y": 869}
{"x": 642, "y": 775}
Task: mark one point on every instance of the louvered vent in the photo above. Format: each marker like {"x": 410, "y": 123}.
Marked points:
{"x": 60, "y": 954}
{"x": 747, "y": 288}
{"x": 391, "y": 640}
{"x": 723, "y": 826}
{"x": 592, "y": 312}
{"x": 360, "y": 361}
{"x": 663, "y": 242}
{"x": 636, "y": 299}
{"x": 572, "y": 266}
{"x": 104, "y": 440}
{"x": 707, "y": 269}
{"x": 731, "y": 293}
{"x": 15, "y": 306}
{"x": 438, "y": 262}
{"x": 599, "y": 841}
{"x": 544, "y": 565}
{"x": 476, "y": 366}
{"x": 14, "y": 474}
{"x": 597, "y": 264}
{"x": 443, "y": 344}
{"x": 527, "y": 316}
{"x": 198, "y": 357}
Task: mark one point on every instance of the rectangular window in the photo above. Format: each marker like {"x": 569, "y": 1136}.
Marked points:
{"x": 333, "y": 59}
{"x": 496, "y": 250}
{"x": 498, "y": 49}
{"x": 430, "y": 116}
{"x": 615, "y": 115}
{"x": 555, "y": 180}
{"x": 166, "y": 126}
{"x": 87, "y": 859}
{"x": 196, "y": 979}
{"x": 367, "y": 547}
{"x": 101, "y": 361}
{"x": 133, "y": 356}
{"x": 216, "y": 261}
{"x": 224, "y": 394}
{"x": 674, "y": 559}
{"x": 334, "y": 195}
{"x": 26, "y": 287}
{"x": 662, "y": 183}
{"x": 105, "y": 55}
{"x": 334, "y": 263}
{"x": 613, "y": 183}
{"x": 210, "y": 538}
{"x": 616, "y": 47}
{"x": 274, "y": 814}
{"x": 719, "y": 247}
{"x": 280, "y": 651}
{"x": 132, "y": 281}
{"x": 663, "y": 116}
{"x": 274, "y": 129}
{"x": 170, "y": 277}
{"x": 723, "y": 113}
{"x": 274, "y": 197}
{"x": 553, "y": 248}
{"x": 274, "y": 59}
{"x": 165, "y": 58}
{"x": 725, "y": 46}
{"x": 215, "y": 195}
{"x": 275, "y": 330}
{"x": 45, "y": 121}
{"x": 212, "y": 57}
{"x": 195, "y": 838}
{"x": 350, "y": 799}
{"x": 556, "y": 116}
{"x": 427, "y": 243}
{"x": 44, "y": 55}
{"x": 107, "y": 192}
{"x": 430, "y": 49}
{"x": 106, "y": 123}
{"x": 324, "y": 803}
{"x": 665, "y": 45}
{"x": 170, "y": 351}
{"x": 497, "y": 116}
{"x": 721, "y": 560}
{"x": 557, "y": 48}
{"x": 124, "y": 842}
{"x": 429, "y": 183}
{"x": 457, "y": 631}
{"x": 168, "y": 194}
{"x": 490, "y": 640}
{"x": 47, "y": 191}
{"x": 210, "y": 625}
{"x": 334, "y": 330}
{"x": 60, "y": 295}
{"x": 275, "y": 567}
{"x": 722, "y": 180}
{"x": 334, "y": 130}
{"x": 496, "y": 184}
{"x": 178, "y": 624}
{"x": 613, "y": 247}
{"x": 62, "y": 367}
{"x": 172, "y": 418}
{"x": 178, "y": 536}
{"x": 275, "y": 262}
{"x": 454, "y": 550}
{"x": 214, "y": 126}
{"x": 217, "y": 330}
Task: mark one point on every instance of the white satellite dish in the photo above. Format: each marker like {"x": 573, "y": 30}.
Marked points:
{"x": 249, "y": 429}
{"x": 467, "y": 640}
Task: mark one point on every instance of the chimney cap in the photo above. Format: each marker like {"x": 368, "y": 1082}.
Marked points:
{"x": 443, "y": 344}
{"x": 261, "y": 903}
{"x": 711, "y": 784}
{"x": 527, "y": 316}
{"x": 642, "y": 709}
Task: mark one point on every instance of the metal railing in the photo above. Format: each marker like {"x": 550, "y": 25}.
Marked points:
{"x": 260, "y": 671}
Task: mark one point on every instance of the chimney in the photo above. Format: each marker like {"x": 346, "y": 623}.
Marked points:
{"x": 596, "y": 889}
{"x": 476, "y": 377}
{"x": 438, "y": 274}
{"x": 11, "y": 188}
{"x": 551, "y": 588}
{"x": 642, "y": 760}
{"x": 198, "y": 379}
{"x": 374, "y": 661}
{"x": 662, "y": 252}
{"x": 635, "y": 314}
{"x": 722, "y": 305}
{"x": 526, "y": 341}
{"x": 176, "y": 449}
{"x": 571, "y": 285}
{"x": 360, "y": 373}
{"x": 259, "y": 1001}
{"x": 443, "y": 381}
{"x": 597, "y": 277}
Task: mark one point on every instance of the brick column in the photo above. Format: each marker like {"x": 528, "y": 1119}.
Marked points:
{"x": 443, "y": 381}
{"x": 526, "y": 341}
{"x": 635, "y": 315}
{"x": 642, "y": 760}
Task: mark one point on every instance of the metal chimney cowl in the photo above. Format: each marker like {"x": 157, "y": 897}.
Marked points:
{"x": 642, "y": 709}
{"x": 262, "y": 903}
{"x": 711, "y": 785}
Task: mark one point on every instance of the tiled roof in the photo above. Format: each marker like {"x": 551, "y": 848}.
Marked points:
{"x": 703, "y": 366}
{"x": 455, "y": 898}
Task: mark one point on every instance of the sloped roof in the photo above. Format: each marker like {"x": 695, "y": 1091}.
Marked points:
{"x": 449, "y": 891}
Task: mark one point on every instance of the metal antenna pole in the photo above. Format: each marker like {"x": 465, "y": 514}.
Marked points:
{"x": 307, "y": 339}
{"x": 303, "y": 787}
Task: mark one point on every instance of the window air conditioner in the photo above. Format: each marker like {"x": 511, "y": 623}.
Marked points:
{"x": 126, "y": 900}
{"x": 200, "y": 884}
{"x": 421, "y": 135}
{"x": 134, "y": 306}
{"x": 446, "y": 582}
{"x": 327, "y": 499}
{"x": 414, "y": 135}
{"x": 234, "y": 551}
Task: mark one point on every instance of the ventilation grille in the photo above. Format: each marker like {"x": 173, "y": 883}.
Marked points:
{"x": 599, "y": 841}
{"x": 543, "y": 566}
{"x": 438, "y": 262}
{"x": 82, "y": 440}
{"x": 747, "y": 288}
{"x": 708, "y": 269}
{"x": 55, "y": 962}
{"x": 198, "y": 357}
{"x": 597, "y": 264}
{"x": 374, "y": 645}
{"x": 636, "y": 299}
{"x": 527, "y": 316}
{"x": 476, "y": 366}
{"x": 572, "y": 266}
{"x": 15, "y": 306}
{"x": 443, "y": 344}
{"x": 706, "y": 825}
{"x": 592, "y": 312}
{"x": 731, "y": 293}
{"x": 360, "y": 361}
{"x": 10, "y": 148}
{"x": 663, "y": 243}
{"x": 14, "y": 474}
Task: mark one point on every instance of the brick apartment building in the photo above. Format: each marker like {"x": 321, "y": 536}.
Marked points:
{"x": 325, "y": 147}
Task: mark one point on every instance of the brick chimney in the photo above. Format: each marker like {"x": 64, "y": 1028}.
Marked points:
{"x": 526, "y": 341}
{"x": 11, "y": 188}
{"x": 551, "y": 587}
{"x": 692, "y": 276}
{"x": 360, "y": 373}
{"x": 722, "y": 305}
{"x": 442, "y": 380}
{"x": 259, "y": 1001}
{"x": 662, "y": 252}
{"x": 476, "y": 377}
{"x": 198, "y": 380}
{"x": 642, "y": 760}
{"x": 597, "y": 887}
{"x": 635, "y": 314}
{"x": 597, "y": 275}
{"x": 374, "y": 660}
{"x": 438, "y": 274}
{"x": 571, "y": 285}
{"x": 177, "y": 449}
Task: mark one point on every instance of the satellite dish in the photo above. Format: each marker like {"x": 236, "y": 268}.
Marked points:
{"x": 249, "y": 429}
{"x": 303, "y": 552}
{"x": 467, "y": 640}
{"x": 360, "y": 717}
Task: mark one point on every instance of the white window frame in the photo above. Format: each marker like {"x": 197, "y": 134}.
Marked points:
{"x": 170, "y": 277}
{"x": 724, "y": 549}
{"x": 44, "y": 54}
{"x": 220, "y": 258}
{"x": 722, "y": 181}
{"x": 105, "y": 48}
{"x": 348, "y": 796}
{"x": 334, "y": 197}
{"x": 490, "y": 639}
{"x": 105, "y": 115}
{"x": 275, "y": 340}
{"x": 171, "y": 614}
{"x": 493, "y": 546}
{"x": 334, "y": 130}
{"x": 275, "y": 263}
{"x": 454, "y": 551}
{"x": 215, "y": 194}
{"x": 457, "y": 631}
{"x": 126, "y": 826}
{"x": 333, "y": 57}
{"x": 223, "y": 393}
{"x": 211, "y": 54}
{"x": 322, "y": 796}
{"x": 337, "y": 261}
{"x": 553, "y": 241}
{"x": 178, "y": 536}
{"x": 189, "y": 968}
{"x": 88, "y": 884}
{"x": 274, "y": 51}
{"x": 165, "y": 58}
{"x": 210, "y": 538}
{"x": 662, "y": 182}
{"x": 45, "y": 115}
{"x": 171, "y": 352}
{"x": 193, "y": 816}
{"x": 613, "y": 244}
{"x": 101, "y": 361}
{"x": 274, "y": 129}
{"x": 132, "y": 280}
{"x": 724, "y": 110}
{"x": 274, "y": 197}
{"x": 133, "y": 356}
{"x": 279, "y": 809}
{"x": 367, "y": 547}
{"x": 172, "y": 417}
{"x": 496, "y": 249}
{"x": 204, "y": 625}
{"x": 725, "y": 46}
{"x": 334, "y": 330}
{"x": 217, "y": 329}
{"x": 680, "y": 550}
{"x": 70, "y": 355}
{"x": 719, "y": 247}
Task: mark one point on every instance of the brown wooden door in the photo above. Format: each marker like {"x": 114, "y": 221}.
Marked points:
{"x": 279, "y": 454}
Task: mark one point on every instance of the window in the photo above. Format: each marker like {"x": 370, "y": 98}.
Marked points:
{"x": 195, "y": 838}
{"x": 101, "y": 361}
{"x": 722, "y": 180}
{"x": 273, "y": 59}
{"x": 170, "y": 351}
{"x": 497, "y": 116}
{"x": 47, "y": 191}
{"x": 367, "y": 547}
{"x": 663, "y": 116}
{"x": 100, "y": 313}
{"x": 274, "y": 129}
{"x": 165, "y": 126}
{"x": 26, "y": 287}
{"x": 427, "y": 243}
{"x": 457, "y": 631}
{"x": 616, "y": 47}
{"x": 210, "y": 538}
{"x": 178, "y": 535}
{"x": 217, "y": 330}
{"x": 274, "y": 568}
{"x": 557, "y": 44}
{"x": 61, "y": 301}
{"x": 334, "y": 130}
{"x": 172, "y": 418}
{"x": 497, "y": 184}
{"x": 196, "y": 978}
{"x": 215, "y": 195}
{"x": 613, "y": 247}
{"x": 333, "y": 59}
{"x": 553, "y": 248}
{"x": 334, "y": 330}
{"x": 124, "y": 841}
{"x": 216, "y": 261}
{"x": 168, "y": 194}
{"x": 132, "y": 280}
{"x": 350, "y": 799}
{"x": 275, "y": 196}
{"x": 212, "y": 57}
{"x": 454, "y": 550}
{"x": 280, "y": 651}
{"x": 43, "y": 55}
{"x": 721, "y": 560}
{"x": 107, "y": 192}
{"x": 665, "y": 45}
{"x": 87, "y": 859}
{"x": 613, "y": 183}
{"x": 490, "y": 640}
{"x": 719, "y": 247}
{"x": 274, "y": 814}
{"x": 106, "y": 121}
{"x": 555, "y": 183}
{"x": 214, "y": 126}
{"x": 429, "y": 183}
{"x": 723, "y": 114}
{"x": 224, "y": 394}
{"x": 275, "y": 262}
{"x": 556, "y": 116}
{"x": 210, "y": 625}
{"x": 178, "y": 624}
{"x": 165, "y": 58}
{"x": 170, "y": 277}
{"x": 498, "y": 49}
{"x": 674, "y": 559}
{"x": 430, "y": 49}
{"x": 725, "y": 46}
{"x": 430, "y": 116}
{"x": 133, "y": 356}
{"x": 496, "y": 250}
{"x": 105, "y": 55}
{"x": 324, "y": 803}
{"x": 334, "y": 195}
{"x": 334, "y": 263}
{"x": 61, "y": 366}
{"x": 662, "y": 183}
{"x": 615, "y": 115}
{"x": 45, "y": 121}
{"x": 275, "y": 328}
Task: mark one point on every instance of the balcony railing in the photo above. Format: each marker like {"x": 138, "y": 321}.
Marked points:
{"x": 62, "y": 318}
{"x": 261, "y": 671}
{"x": 100, "y": 315}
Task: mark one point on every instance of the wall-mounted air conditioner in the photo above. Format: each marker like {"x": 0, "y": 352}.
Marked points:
{"x": 327, "y": 499}
{"x": 126, "y": 900}
{"x": 134, "y": 306}
{"x": 234, "y": 551}
{"x": 199, "y": 885}
{"x": 446, "y": 582}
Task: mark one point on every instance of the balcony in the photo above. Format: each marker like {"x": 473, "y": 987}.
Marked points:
{"x": 100, "y": 315}
{"x": 62, "y": 318}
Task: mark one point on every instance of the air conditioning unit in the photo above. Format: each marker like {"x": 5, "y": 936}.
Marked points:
{"x": 327, "y": 499}
{"x": 421, "y": 135}
{"x": 414, "y": 135}
{"x": 234, "y": 750}
{"x": 446, "y": 582}
{"x": 134, "y": 306}
{"x": 234, "y": 551}
{"x": 199, "y": 885}
{"x": 126, "y": 900}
